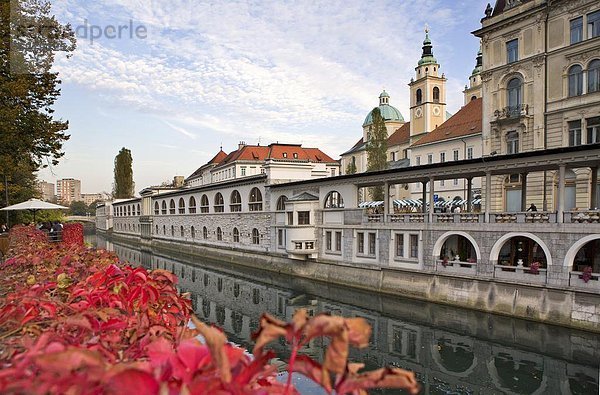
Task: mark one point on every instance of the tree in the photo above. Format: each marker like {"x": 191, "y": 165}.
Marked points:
{"x": 78, "y": 208}
{"x": 351, "y": 168}
{"x": 30, "y": 137}
{"x": 123, "y": 186}
{"x": 377, "y": 150}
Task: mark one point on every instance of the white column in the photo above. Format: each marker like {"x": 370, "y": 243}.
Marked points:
{"x": 560, "y": 207}
{"x": 488, "y": 195}
{"x": 386, "y": 200}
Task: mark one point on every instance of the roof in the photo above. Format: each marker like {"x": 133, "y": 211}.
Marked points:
{"x": 304, "y": 196}
{"x": 400, "y": 135}
{"x": 214, "y": 161}
{"x": 467, "y": 121}
{"x": 389, "y": 113}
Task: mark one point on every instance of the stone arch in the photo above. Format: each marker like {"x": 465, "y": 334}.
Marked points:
{"x": 500, "y": 242}
{"x": 437, "y": 247}
{"x": 456, "y": 340}
{"x": 570, "y": 255}
{"x": 496, "y": 378}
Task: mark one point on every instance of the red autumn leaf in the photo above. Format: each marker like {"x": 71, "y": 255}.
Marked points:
{"x": 132, "y": 380}
{"x": 313, "y": 370}
{"x": 380, "y": 378}
{"x": 270, "y": 329}
{"x": 215, "y": 340}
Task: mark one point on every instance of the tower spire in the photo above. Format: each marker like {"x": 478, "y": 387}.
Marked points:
{"x": 427, "y": 55}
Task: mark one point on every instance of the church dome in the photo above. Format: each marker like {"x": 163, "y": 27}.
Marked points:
{"x": 389, "y": 113}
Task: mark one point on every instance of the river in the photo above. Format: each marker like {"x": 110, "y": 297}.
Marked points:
{"x": 451, "y": 350}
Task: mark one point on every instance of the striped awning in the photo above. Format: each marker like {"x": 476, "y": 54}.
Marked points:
{"x": 376, "y": 203}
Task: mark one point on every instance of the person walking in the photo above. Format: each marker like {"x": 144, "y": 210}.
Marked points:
{"x": 532, "y": 207}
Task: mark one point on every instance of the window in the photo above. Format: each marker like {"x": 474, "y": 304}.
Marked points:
{"x": 419, "y": 96}
{"x": 574, "y": 133}
{"x": 593, "y": 76}
{"x": 235, "y": 202}
{"x": 172, "y": 231}
{"x": 204, "y": 204}
{"x": 156, "y": 208}
{"x": 219, "y": 234}
{"x": 156, "y": 229}
{"x": 181, "y": 231}
{"x": 442, "y": 157}
{"x": 204, "y": 233}
{"x": 593, "y": 130}
{"x": 164, "y": 230}
{"x": 455, "y": 154}
{"x": 576, "y": 30}
{"x": 514, "y": 97}
{"x": 399, "y": 245}
{"x": 303, "y": 217}
{"x": 469, "y": 152}
{"x": 243, "y": 170}
{"x": 414, "y": 246}
{"x": 593, "y": 24}
{"x": 193, "y": 232}
{"x": 236, "y": 235}
{"x": 338, "y": 241}
{"x": 295, "y": 155}
{"x": 328, "y": 240}
{"x": 139, "y": 212}
{"x": 255, "y": 201}
{"x": 219, "y": 204}
{"x": 181, "y": 206}
{"x": 436, "y": 94}
{"x": 360, "y": 243}
{"x": 334, "y": 200}
{"x": 442, "y": 183}
{"x": 512, "y": 142}
{"x": 290, "y": 218}
{"x": 575, "y": 80}
{"x": 280, "y": 237}
{"x": 192, "y": 208}
{"x": 285, "y": 154}
{"x": 164, "y": 208}
{"x": 392, "y": 156}
{"x": 372, "y": 243}
{"x": 129, "y": 210}
{"x": 332, "y": 172}
{"x": 281, "y": 203}
{"x": 455, "y": 181}
{"x": 418, "y": 160}
{"x": 429, "y": 159}
{"x": 512, "y": 51}
{"x": 255, "y": 236}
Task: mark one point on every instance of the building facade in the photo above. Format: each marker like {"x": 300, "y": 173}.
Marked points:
{"x": 68, "y": 190}
{"x": 541, "y": 64}
{"x": 47, "y": 191}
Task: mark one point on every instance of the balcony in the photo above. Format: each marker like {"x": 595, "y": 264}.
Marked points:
{"x": 511, "y": 113}
{"x": 456, "y": 267}
{"x": 576, "y": 280}
{"x": 520, "y": 274}
{"x": 303, "y": 247}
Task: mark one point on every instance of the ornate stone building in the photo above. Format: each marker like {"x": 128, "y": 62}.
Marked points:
{"x": 541, "y": 67}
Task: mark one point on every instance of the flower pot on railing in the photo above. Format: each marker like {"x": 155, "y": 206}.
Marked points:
{"x": 587, "y": 274}
{"x": 534, "y": 268}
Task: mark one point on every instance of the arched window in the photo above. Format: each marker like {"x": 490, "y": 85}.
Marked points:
{"x": 219, "y": 203}
{"x": 192, "y": 207}
{"x": 473, "y": 98}
{"x": 181, "y": 206}
{"x": 575, "y": 80}
{"x": 419, "y": 96}
{"x": 255, "y": 236}
{"x": 219, "y": 234}
{"x": 594, "y": 76}
{"x": 281, "y": 203}
{"x": 204, "y": 233}
{"x": 164, "y": 208}
{"x": 334, "y": 200}
{"x": 181, "y": 231}
{"x": 156, "y": 229}
{"x": 172, "y": 231}
{"x": 204, "y": 204}
{"x": 172, "y": 207}
{"x": 129, "y": 210}
{"x": 255, "y": 201}
{"x": 514, "y": 97}
{"x": 235, "y": 202}
{"x": 193, "y": 232}
{"x": 436, "y": 94}
{"x": 236, "y": 235}
{"x": 164, "y": 230}
{"x": 156, "y": 208}
{"x": 139, "y": 212}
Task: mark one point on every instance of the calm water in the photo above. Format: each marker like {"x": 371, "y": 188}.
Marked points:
{"x": 452, "y": 350}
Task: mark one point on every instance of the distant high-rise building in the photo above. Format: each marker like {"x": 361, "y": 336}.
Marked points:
{"x": 46, "y": 189}
{"x": 89, "y": 198}
{"x": 68, "y": 190}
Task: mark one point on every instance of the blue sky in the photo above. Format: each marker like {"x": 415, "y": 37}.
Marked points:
{"x": 207, "y": 74}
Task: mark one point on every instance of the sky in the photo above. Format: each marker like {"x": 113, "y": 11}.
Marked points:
{"x": 174, "y": 80}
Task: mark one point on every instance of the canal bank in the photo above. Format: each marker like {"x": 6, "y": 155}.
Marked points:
{"x": 545, "y": 304}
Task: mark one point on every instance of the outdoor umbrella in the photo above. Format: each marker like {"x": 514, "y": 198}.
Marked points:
{"x": 34, "y": 205}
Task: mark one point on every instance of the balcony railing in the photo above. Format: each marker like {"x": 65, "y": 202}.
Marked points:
{"x": 576, "y": 279}
{"x": 512, "y": 112}
{"x": 458, "y": 267}
{"x": 582, "y": 217}
{"x": 303, "y": 246}
{"x": 520, "y": 273}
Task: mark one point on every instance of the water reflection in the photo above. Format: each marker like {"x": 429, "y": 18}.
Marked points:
{"x": 453, "y": 351}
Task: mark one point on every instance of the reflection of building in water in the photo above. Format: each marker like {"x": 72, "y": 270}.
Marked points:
{"x": 423, "y": 340}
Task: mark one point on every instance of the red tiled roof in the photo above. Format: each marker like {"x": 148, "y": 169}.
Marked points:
{"x": 214, "y": 161}
{"x": 400, "y": 136}
{"x": 465, "y": 122}
{"x": 316, "y": 155}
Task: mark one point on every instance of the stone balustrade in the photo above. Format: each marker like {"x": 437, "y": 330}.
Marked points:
{"x": 456, "y": 267}
{"x": 520, "y": 274}
{"x": 576, "y": 280}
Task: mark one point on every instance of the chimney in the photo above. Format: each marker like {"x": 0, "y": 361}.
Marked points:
{"x": 178, "y": 181}
{"x": 241, "y": 145}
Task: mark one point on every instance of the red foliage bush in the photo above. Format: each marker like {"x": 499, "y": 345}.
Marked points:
{"x": 72, "y": 233}
{"x": 76, "y": 320}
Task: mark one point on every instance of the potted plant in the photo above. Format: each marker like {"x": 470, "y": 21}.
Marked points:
{"x": 587, "y": 274}
{"x": 445, "y": 261}
{"x": 534, "y": 268}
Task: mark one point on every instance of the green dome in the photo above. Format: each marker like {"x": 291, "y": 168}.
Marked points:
{"x": 427, "y": 56}
{"x": 389, "y": 113}
{"x": 384, "y": 94}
